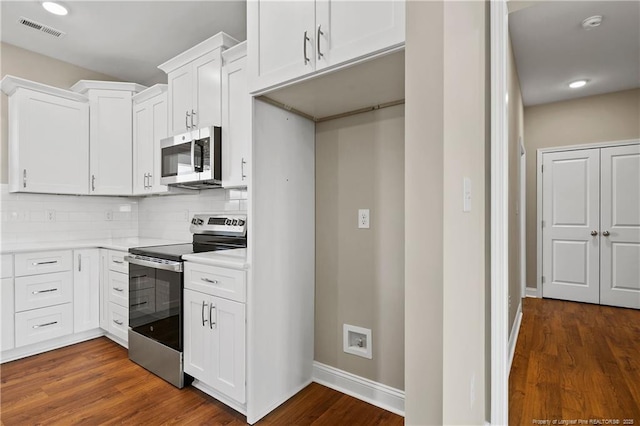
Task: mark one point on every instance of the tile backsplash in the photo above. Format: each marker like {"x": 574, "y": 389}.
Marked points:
{"x": 45, "y": 217}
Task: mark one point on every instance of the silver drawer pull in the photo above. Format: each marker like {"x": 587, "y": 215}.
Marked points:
{"x": 45, "y": 325}
{"x": 118, "y": 322}
{"x": 49, "y": 290}
{"x": 50, "y": 262}
{"x": 209, "y": 280}
{"x": 118, "y": 289}
{"x": 118, "y": 261}
{"x": 138, "y": 304}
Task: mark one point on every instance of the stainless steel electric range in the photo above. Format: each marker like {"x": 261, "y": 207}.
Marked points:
{"x": 156, "y": 286}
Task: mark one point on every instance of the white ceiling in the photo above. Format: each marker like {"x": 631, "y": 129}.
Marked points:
{"x": 551, "y": 48}
{"x": 124, "y": 39}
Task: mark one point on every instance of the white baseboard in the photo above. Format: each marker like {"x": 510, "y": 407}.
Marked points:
{"x": 531, "y": 292}
{"x": 374, "y": 393}
{"x": 513, "y": 337}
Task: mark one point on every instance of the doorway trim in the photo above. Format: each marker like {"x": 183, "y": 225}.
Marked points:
{"x": 540, "y": 152}
{"x": 499, "y": 22}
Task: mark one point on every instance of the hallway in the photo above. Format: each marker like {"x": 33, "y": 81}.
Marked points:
{"x": 575, "y": 363}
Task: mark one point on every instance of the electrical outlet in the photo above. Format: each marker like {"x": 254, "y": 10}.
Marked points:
{"x": 363, "y": 218}
{"x": 51, "y": 215}
{"x": 108, "y": 215}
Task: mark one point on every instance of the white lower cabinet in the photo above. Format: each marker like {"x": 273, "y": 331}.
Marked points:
{"x": 114, "y": 291}
{"x": 8, "y": 324}
{"x": 214, "y": 342}
{"x": 42, "y": 324}
{"x": 86, "y": 290}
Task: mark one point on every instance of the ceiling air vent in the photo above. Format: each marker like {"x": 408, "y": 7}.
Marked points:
{"x": 40, "y": 27}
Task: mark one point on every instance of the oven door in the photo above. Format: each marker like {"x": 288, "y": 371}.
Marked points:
{"x": 182, "y": 159}
{"x": 155, "y": 302}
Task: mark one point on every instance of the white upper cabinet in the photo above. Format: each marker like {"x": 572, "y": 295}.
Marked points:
{"x": 149, "y": 127}
{"x": 236, "y": 117}
{"x": 281, "y": 41}
{"x": 194, "y": 77}
{"x": 288, "y": 40}
{"x": 110, "y": 135}
{"x": 48, "y": 138}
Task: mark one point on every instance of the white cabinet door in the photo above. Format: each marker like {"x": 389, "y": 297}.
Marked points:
{"x": 180, "y": 97}
{"x": 86, "y": 290}
{"x": 282, "y": 41}
{"x": 110, "y": 151}
{"x": 206, "y": 108}
{"x": 149, "y": 127}
{"x": 7, "y": 314}
{"x": 570, "y": 238}
{"x": 347, "y": 30}
{"x": 620, "y": 226}
{"x": 236, "y": 123}
{"x": 198, "y": 339}
{"x": 49, "y": 142}
{"x": 228, "y": 373}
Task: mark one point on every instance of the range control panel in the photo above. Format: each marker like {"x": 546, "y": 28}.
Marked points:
{"x": 235, "y": 225}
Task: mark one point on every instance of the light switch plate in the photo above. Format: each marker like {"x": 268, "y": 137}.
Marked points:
{"x": 466, "y": 202}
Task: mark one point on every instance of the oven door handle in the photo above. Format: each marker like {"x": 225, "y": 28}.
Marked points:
{"x": 167, "y": 265}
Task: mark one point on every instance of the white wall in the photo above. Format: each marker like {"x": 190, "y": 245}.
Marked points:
{"x": 445, "y": 249}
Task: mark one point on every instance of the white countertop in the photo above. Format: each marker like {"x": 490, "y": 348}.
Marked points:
{"x": 122, "y": 244}
{"x": 236, "y": 258}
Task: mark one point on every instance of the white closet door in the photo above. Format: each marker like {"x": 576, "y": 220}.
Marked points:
{"x": 570, "y": 211}
{"x": 620, "y": 218}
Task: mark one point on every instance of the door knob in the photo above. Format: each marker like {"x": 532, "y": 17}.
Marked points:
{"x": 605, "y": 233}
{"x": 594, "y": 233}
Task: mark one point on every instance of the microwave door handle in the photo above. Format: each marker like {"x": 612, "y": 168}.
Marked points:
{"x": 193, "y": 156}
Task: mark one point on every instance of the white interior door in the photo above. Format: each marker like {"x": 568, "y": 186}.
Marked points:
{"x": 620, "y": 226}
{"x": 570, "y": 214}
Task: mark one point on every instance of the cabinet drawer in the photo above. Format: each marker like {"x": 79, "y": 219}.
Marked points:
{"x": 43, "y": 324}
{"x": 118, "y": 285}
{"x": 118, "y": 321}
{"x": 42, "y": 262}
{"x": 222, "y": 282}
{"x": 40, "y": 291}
{"x": 6, "y": 268}
{"x": 117, "y": 262}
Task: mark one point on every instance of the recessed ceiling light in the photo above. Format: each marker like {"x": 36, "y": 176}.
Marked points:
{"x": 578, "y": 83}
{"x": 592, "y": 22}
{"x": 55, "y": 8}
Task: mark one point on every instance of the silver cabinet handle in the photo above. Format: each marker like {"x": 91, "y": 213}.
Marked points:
{"x": 211, "y": 321}
{"x": 186, "y": 120}
{"x": 193, "y": 114}
{"x": 594, "y": 233}
{"x": 606, "y": 233}
{"x": 304, "y": 48}
{"x": 204, "y": 305}
{"x": 145, "y": 181}
{"x": 118, "y": 261}
{"x": 49, "y": 290}
{"x": 118, "y": 289}
{"x": 93, "y": 182}
{"x": 149, "y": 180}
{"x": 45, "y": 325}
{"x": 242, "y": 168}
{"x": 24, "y": 178}
{"x": 79, "y": 262}
{"x": 320, "y": 54}
{"x": 118, "y": 322}
{"x": 209, "y": 280}
{"x": 49, "y": 262}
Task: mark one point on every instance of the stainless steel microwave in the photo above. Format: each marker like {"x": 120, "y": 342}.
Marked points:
{"x": 192, "y": 160}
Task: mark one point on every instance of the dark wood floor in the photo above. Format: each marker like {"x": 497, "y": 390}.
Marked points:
{"x": 576, "y": 361}
{"x": 94, "y": 383}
